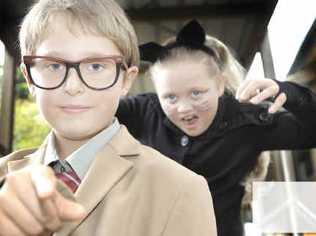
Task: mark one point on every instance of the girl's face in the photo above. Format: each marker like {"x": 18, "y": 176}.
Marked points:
{"x": 188, "y": 94}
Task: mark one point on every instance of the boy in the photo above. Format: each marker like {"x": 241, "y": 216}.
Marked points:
{"x": 79, "y": 57}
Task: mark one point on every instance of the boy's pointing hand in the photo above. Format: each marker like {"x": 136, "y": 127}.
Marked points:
{"x": 31, "y": 205}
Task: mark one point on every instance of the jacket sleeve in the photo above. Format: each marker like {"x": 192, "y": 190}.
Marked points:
{"x": 296, "y": 127}
{"x": 193, "y": 212}
{"x": 132, "y": 112}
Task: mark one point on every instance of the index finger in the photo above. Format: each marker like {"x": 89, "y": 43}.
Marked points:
{"x": 252, "y": 88}
{"x": 44, "y": 181}
{"x": 241, "y": 88}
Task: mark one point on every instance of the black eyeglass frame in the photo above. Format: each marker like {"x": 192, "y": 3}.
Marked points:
{"x": 119, "y": 62}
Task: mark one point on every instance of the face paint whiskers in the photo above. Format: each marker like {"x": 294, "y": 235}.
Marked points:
{"x": 202, "y": 103}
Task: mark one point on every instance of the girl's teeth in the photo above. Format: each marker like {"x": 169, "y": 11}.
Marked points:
{"x": 189, "y": 119}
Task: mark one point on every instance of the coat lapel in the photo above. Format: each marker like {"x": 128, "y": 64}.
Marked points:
{"x": 106, "y": 171}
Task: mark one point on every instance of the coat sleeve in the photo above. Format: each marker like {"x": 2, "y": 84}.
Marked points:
{"x": 193, "y": 212}
{"x": 133, "y": 111}
{"x": 301, "y": 102}
{"x": 295, "y": 128}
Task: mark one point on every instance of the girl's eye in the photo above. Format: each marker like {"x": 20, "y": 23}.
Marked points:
{"x": 171, "y": 98}
{"x": 196, "y": 93}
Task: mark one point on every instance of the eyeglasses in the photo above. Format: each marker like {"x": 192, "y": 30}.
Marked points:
{"x": 96, "y": 73}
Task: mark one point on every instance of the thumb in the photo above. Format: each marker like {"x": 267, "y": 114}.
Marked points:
{"x": 68, "y": 210}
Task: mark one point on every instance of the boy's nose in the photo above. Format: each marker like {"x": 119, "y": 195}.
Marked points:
{"x": 73, "y": 84}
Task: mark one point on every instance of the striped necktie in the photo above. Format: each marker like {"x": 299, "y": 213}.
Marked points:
{"x": 66, "y": 174}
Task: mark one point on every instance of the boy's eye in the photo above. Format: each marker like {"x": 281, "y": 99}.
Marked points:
{"x": 96, "y": 67}
{"x": 55, "y": 66}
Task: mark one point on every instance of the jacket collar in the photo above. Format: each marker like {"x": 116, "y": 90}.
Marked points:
{"x": 108, "y": 167}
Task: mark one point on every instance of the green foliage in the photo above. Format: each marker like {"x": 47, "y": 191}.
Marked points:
{"x": 30, "y": 129}
{"x": 21, "y": 90}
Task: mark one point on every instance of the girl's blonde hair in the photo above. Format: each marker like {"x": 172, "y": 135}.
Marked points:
{"x": 232, "y": 72}
{"x": 97, "y": 17}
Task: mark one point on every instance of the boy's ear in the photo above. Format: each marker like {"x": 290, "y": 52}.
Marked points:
{"x": 27, "y": 79}
{"x": 130, "y": 76}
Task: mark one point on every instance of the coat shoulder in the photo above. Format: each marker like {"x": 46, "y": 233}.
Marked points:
{"x": 152, "y": 167}
{"x": 155, "y": 165}
{"x": 17, "y": 155}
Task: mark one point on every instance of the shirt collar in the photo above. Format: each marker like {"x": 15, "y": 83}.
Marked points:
{"x": 81, "y": 159}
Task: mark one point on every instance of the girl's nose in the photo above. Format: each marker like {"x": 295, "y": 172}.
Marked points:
{"x": 184, "y": 107}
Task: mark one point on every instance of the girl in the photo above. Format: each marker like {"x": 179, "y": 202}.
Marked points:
{"x": 195, "y": 119}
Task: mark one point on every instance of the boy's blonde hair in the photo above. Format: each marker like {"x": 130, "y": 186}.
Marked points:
{"x": 97, "y": 17}
{"x": 232, "y": 72}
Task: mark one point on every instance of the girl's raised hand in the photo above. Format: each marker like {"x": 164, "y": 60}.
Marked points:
{"x": 258, "y": 90}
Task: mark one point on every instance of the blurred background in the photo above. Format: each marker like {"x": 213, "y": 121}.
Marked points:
{"x": 270, "y": 38}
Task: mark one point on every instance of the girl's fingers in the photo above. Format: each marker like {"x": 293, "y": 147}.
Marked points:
{"x": 264, "y": 95}
{"x": 257, "y": 90}
{"x": 241, "y": 88}
{"x": 278, "y": 103}
{"x": 251, "y": 90}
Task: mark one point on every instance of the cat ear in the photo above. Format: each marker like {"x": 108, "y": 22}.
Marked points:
{"x": 151, "y": 51}
{"x": 192, "y": 34}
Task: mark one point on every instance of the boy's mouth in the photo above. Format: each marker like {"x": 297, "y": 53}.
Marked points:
{"x": 74, "y": 108}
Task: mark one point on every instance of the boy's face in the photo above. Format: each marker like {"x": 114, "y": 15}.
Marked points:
{"x": 73, "y": 110}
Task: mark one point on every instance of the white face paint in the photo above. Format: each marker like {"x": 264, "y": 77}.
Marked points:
{"x": 188, "y": 95}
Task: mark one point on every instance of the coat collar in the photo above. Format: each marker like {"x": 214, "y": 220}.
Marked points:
{"x": 108, "y": 167}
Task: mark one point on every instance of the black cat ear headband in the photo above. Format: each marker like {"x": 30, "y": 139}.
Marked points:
{"x": 191, "y": 36}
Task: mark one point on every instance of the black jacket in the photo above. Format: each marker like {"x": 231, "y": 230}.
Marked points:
{"x": 228, "y": 150}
